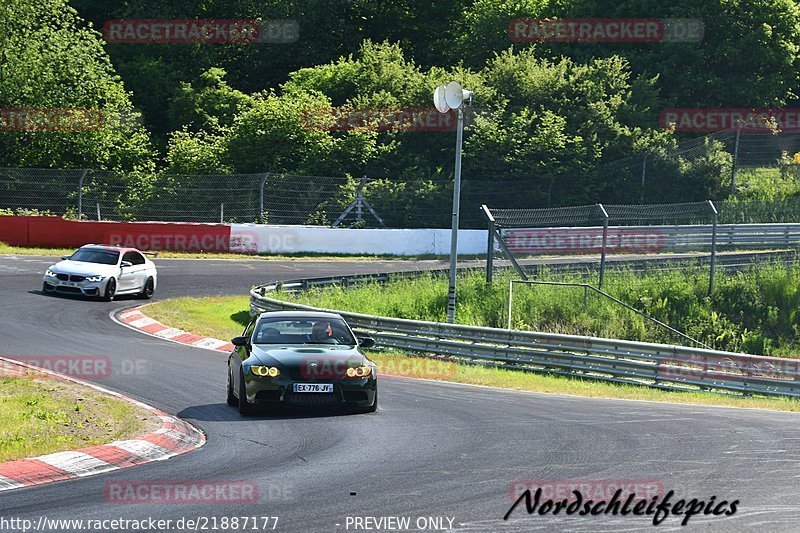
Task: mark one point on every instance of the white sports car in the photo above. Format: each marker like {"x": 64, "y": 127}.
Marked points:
{"x": 102, "y": 271}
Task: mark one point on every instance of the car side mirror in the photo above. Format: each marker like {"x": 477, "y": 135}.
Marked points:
{"x": 65, "y": 257}
{"x": 125, "y": 264}
{"x": 240, "y": 341}
{"x": 366, "y": 342}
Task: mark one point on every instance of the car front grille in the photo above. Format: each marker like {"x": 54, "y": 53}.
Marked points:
{"x": 69, "y": 290}
{"x": 76, "y": 278}
{"x": 311, "y": 398}
{"x": 62, "y": 277}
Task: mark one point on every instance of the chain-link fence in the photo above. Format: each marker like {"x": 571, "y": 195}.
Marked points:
{"x": 601, "y": 230}
{"x": 691, "y": 171}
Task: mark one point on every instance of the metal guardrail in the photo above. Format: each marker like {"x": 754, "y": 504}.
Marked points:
{"x": 619, "y": 361}
{"x": 678, "y": 238}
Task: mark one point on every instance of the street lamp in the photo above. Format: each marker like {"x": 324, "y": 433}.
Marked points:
{"x": 445, "y": 98}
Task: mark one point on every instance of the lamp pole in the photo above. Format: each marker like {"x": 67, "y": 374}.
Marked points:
{"x": 451, "y": 294}
{"x": 445, "y": 98}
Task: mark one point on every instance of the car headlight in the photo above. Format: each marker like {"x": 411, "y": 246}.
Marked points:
{"x": 265, "y": 371}
{"x": 95, "y": 278}
{"x": 49, "y": 273}
{"x": 359, "y": 371}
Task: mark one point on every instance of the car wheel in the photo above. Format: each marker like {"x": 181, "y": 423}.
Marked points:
{"x": 148, "y": 289}
{"x": 245, "y": 407}
{"x": 111, "y": 290}
{"x": 46, "y": 287}
{"x": 231, "y": 398}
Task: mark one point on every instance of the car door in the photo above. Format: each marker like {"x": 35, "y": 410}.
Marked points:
{"x": 242, "y": 352}
{"x": 133, "y": 277}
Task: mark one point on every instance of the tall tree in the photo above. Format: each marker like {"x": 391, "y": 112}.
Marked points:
{"x": 50, "y": 60}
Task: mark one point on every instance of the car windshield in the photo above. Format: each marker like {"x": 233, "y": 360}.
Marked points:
{"x": 95, "y": 255}
{"x": 313, "y": 330}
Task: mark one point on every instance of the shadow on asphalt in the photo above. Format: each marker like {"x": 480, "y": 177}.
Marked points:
{"x": 223, "y": 412}
{"x": 82, "y": 298}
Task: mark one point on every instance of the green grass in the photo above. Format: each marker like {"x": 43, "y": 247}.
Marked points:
{"x": 756, "y": 311}
{"x": 46, "y": 415}
{"x": 767, "y": 183}
{"x": 225, "y": 317}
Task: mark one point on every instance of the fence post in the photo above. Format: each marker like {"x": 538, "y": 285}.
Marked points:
{"x": 98, "y": 211}
{"x": 644, "y": 173}
{"x": 510, "y": 295}
{"x": 715, "y": 215}
{"x": 80, "y": 193}
{"x": 735, "y": 159}
{"x": 261, "y": 198}
{"x": 221, "y": 213}
{"x": 489, "y": 244}
{"x": 603, "y": 249}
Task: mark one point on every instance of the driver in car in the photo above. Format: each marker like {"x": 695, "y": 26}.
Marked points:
{"x": 321, "y": 332}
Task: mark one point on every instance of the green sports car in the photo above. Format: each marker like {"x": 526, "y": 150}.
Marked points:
{"x": 301, "y": 358}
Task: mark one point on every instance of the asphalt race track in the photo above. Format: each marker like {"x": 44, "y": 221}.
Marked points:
{"x": 431, "y": 450}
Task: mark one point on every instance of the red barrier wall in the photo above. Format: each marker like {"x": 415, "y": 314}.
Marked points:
{"x": 14, "y": 230}
{"x": 57, "y": 232}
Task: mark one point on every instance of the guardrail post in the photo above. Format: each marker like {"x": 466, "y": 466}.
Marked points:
{"x": 603, "y": 249}
{"x": 489, "y": 244}
{"x": 80, "y": 193}
{"x": 715, "y": 218}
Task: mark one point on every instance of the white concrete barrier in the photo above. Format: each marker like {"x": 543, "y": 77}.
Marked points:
{"x": 259, "y": 238}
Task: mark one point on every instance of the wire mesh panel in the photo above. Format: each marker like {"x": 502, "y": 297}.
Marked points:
{"x": 600, "y": 230}
{"x": 660, "y": 214}
{"x": 39, "y": 190}
{"x": 584, "y": 215}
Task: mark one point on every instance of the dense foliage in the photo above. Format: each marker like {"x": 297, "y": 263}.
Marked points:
{"x": 546, "y": 114}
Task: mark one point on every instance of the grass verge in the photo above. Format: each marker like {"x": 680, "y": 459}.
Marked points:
{"x": 41, "y": 414}
{"x": 225, "y": 317}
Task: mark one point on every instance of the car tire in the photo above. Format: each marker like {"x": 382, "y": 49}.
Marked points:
{"x": 232, "y": 401}
{"x": 45, "y": 286}
{"x": 111, "y": 290}
{"x": 245, "y": 407}
{"x": 148, "y": 289}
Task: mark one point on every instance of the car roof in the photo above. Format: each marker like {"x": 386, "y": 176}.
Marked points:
{"x": 299, "y": 314}
{"x": 110, "y": 248}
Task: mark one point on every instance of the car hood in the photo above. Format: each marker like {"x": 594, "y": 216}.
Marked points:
{"x": 84, "y": 269}
{"x": 295, "y": 356}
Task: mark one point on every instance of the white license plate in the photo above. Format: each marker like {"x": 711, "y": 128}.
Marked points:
{"x": 68, "y": 284}
{"x": 313, "y": 387}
